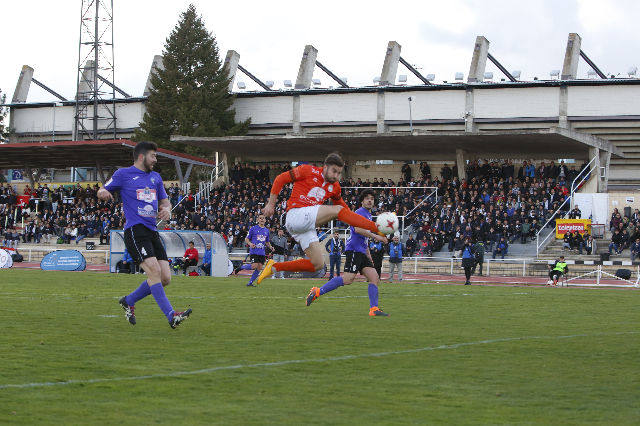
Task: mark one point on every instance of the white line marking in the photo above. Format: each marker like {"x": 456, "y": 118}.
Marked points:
{"x": 109, "y": 316}
{"x": 304, "y": 361}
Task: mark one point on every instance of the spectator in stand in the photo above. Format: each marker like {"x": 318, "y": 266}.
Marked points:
{"x": 502, "y": 248}
{"x": 406, "y": 172}
{"x": 590, "y": 245}
{"x": 190, "y": 257}
{"x": 635, "y": 249}
{"x": 616, "y": 220}
{"x": 411, "y": 245}
{"x": 616, "y": 242}
{"x": 578, "y": 242}
{"x": 425, "y": 170}
{"x": 567, "y": 241}
{"x": 575, "y": 213}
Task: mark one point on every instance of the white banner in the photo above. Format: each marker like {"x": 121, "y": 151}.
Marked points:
{"x": 5, "y": 259}
{"x": 593, "y": 206}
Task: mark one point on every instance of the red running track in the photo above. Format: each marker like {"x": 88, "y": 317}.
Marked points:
{"x": 414, "y": 278}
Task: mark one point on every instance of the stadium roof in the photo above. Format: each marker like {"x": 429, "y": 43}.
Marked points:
{"x": 418, "y": 145}
{"x": 63, "y": 154}
{"x": 96, "y": 153}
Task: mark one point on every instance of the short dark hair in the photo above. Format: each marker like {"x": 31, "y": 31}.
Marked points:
{"x": 366, "y": 192}
{"x": 191, "y": 242}
{"x": 143, "y": 148}
{"x": 334, "y": 159}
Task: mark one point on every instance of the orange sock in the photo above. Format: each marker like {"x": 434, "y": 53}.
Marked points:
{"x": 297, "y": 265}
{"x": 354, "y": 219}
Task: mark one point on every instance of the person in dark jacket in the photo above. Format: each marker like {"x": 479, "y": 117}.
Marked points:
{"x": 468, "y": 260}
{"x": 478, "y": 253}
{"x": 335, "y": 248}
{"x": 376, "y": 248}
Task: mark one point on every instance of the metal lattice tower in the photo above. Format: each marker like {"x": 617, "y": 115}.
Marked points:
{"x": 95, "y": 112}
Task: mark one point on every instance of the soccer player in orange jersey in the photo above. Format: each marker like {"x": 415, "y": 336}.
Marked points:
{"x": 306, "y": 210}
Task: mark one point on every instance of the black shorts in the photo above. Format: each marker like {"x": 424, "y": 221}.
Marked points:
{"x": 257, "y": 258}
{"x": 142, "y": 243}
{"x": 555, "y": 274}
{"x": 356, "y": 261}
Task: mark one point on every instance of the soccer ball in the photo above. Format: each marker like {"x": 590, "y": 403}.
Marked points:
{"x": 387, "y": 223}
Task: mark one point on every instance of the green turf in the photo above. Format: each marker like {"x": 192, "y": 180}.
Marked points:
{"x": 486, "y": 354}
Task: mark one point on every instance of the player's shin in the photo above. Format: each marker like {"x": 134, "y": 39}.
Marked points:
{"x": 138, "y": 294}
{"x": 161, "y": 299}
{"x": 354, "y": 219}
{"x": 332, "y": 284}
{"x": 373, "y": 295}
{"x": 255, "y": 274}
{"x": 298, "y": 265}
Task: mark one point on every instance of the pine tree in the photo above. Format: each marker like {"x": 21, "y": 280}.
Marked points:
{"x": 4, "y": 130}
{"x": 190, "y": 96}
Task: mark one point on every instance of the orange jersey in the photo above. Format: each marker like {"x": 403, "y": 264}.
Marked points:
{"x": 309, "y": 187}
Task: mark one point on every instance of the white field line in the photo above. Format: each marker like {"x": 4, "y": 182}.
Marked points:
{"x": 303, "y": 361}
{"x": 66, "y": 296}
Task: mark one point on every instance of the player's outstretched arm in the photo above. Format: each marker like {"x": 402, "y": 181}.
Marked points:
{"x": 280, "y": 181}
{"x": 369, "y": 234}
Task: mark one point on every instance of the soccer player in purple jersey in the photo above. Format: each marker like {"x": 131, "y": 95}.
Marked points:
{"x": 358, "y": 260}
{"x": 257, "y": 239}
{"x": 143, "y": 200}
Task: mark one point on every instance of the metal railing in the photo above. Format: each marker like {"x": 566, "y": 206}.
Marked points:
{"x": 540, "y": 245}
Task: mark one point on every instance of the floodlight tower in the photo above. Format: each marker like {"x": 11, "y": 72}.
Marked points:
{"x": 95, "y": 111}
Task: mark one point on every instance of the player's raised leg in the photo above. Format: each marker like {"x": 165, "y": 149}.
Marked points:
{"x": 328, "y": 213}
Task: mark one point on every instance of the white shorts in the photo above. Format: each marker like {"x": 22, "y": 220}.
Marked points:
{"x": 301, "y": 224}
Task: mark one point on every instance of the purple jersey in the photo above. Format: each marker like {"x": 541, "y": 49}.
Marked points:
{"x": 260, "y": 237}
{"x": 140, "y": 192}
{"x": 356, "y": 241}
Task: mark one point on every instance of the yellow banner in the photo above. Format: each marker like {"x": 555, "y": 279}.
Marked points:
{"x": 583, "y": 226}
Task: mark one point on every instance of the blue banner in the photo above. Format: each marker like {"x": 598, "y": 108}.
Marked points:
{"x": 63, "y": 260}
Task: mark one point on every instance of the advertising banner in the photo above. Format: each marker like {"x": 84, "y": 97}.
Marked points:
{"x": 582, "y": 226}
{"x": 63, "y": 260}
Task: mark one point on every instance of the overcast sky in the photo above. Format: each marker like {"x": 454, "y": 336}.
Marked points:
{"x": 351, "y": 36}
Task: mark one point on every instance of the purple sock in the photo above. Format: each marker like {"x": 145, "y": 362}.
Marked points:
{"x": 161, "y": 299}
{"x": 138, "y": 294}
{"x": 246, "y": 267}
{"x": 253, "y": 276}
{"x": 373, "y": 295}
{"x": 332, "y": 284}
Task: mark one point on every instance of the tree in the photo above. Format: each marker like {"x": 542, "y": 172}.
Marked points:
{"x": 190, "y": 95}
{"x": 4, "y": 129}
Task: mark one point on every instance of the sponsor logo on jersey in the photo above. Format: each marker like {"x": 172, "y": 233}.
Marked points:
{"x": 317, "y": 193}
{"x": 146, "y": 194}
{"x": 147, "y": 211}
{"x": 330, "y": 188}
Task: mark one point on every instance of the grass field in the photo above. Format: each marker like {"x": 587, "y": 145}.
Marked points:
{"x": 447, "y": 354}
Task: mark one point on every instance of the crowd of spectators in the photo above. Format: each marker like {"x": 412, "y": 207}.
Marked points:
{"x": 625, "y": 233}
{"x": 497, "y": 205}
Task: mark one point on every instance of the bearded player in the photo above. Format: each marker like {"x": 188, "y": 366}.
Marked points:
{"x": 312, "y": 186}
{"x": 143, "y": 200}
{"x": 358, "y": 260}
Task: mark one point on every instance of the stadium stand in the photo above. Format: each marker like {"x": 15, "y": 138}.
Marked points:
{"x": 496, "y": 200}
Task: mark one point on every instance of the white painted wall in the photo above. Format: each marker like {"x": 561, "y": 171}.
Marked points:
{"x": 263, "y": 110}
{"x": 522, "y": 102}
{"x": 437, "y": 104}
{"x": 338, "y": 107}
{"x": 604, "y": 100}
